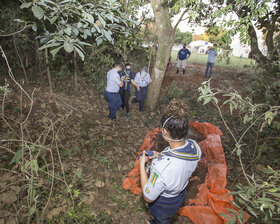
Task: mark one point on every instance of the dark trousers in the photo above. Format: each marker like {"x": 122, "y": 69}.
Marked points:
{"x": 207, "y": 67}
{"x": 163, "y": 208}
{"x": 114, "y": 103}
{"x": 140, "y": 97}
{"x": 125, "y": 93}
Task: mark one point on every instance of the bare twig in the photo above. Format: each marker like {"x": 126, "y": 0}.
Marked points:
{"x": 180, "y": 19}
{"x": 11, "y": 34}
{"x": 22, "y": 65}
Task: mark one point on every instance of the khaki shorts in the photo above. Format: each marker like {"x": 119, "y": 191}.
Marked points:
{"x": 181, "y": 63}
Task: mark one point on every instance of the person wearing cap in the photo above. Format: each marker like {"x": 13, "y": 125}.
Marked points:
{"x": 125, "y": 89}
{"x": 142, "y": 79}
{"x": 114, "y": 82}
{"x": 165, "y": 188}
{"x": 182, "y": 57}
{"x": 212, "y": 53}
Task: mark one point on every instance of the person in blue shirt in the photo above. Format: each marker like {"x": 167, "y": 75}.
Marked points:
{"x": 125, "y": 89}
{"x": 182, "y": 57}
{"x": 142, "y": 79}
{"x": 114, "y": 82}
{"x": 212, "y": 53}
{"x": 165, "y": 188}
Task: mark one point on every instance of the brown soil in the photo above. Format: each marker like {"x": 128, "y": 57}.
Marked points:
{"x": 88, "y": 141}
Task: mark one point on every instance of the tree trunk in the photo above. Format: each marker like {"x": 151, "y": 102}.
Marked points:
{"x": 75, "y": 70}
{"x": 48, "y": 70}
{"x": 165, "y": 41}
{"x": 255, "y": 51}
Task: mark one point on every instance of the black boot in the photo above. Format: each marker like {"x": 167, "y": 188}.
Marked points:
{"x": 184, "y": 72}
{"x": 177, "y": 71}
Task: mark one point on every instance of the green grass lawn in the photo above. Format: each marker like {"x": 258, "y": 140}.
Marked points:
{"x": 235, "y": 62}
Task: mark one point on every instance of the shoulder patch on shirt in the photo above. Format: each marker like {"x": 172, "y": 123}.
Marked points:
{"x": 154, "y": 178}
{"x": 147, "y": 190}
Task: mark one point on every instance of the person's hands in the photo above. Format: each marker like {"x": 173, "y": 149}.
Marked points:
{"x": 138, "y": 88}
{"x": 143, "y": 159}
{"x": 155, "y": 155}
{"x": 122, "y": 78}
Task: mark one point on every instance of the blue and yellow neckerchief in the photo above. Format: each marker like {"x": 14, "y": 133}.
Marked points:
{"x": 126, "y": 79}
{"x": 188, "y": 152}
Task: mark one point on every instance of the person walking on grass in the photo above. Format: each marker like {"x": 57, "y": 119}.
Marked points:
{"x": 114, "y": 82}
{"x": 142, "y": 79}
{"x": 125, "y": 89}
{"x": 182, "y": 57}
{"x": 212, "y": 53}
{"x": 165, "y": 188}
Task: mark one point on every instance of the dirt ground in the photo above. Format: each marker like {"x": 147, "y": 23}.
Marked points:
{"x": 101, "y": 151}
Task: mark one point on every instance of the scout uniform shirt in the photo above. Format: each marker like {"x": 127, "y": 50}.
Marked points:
{"x": 113, "y": 81}
{"x": 171, "y": 170}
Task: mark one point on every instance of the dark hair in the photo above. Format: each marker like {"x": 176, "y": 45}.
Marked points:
{"x": 178, "y": 124}
{"x": 118, "y": 65}
{"x": 127, "y": 64}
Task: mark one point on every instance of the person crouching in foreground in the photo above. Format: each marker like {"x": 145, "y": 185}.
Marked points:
{"x": 142, "y": 80}
{"x": 114, "y": 82}
{"x": 165, "y": 188}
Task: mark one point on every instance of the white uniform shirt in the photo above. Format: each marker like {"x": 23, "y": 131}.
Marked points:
{"x": 170, "y": 175}
{"x": 113, "y": 81}
{"x": 142, "y": 82}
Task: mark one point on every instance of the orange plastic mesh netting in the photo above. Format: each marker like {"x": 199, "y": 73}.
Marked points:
{"x": 212, "y": 198}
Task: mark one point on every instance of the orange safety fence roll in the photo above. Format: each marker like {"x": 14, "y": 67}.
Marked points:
{"x": 212, "y": 198}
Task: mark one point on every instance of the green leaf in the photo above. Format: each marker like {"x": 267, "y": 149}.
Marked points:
{"x": 68, "y": 31}
{"x": 25, "y": 5}
{"x": 27, "y": 164}
{"x": 252, "y": 211}
{"x": 79, "y": 173}
{"x": 224, "y": 215}
{"x": 54, "y": 51}
{"x": 107, "y": 35}
{"x": 241, "y": 217}
{"x": 89, "y": 17}
{"x": 49, "y": 45}
{"x": 35, "y": 165}
{"x": 99, "y": 41}
{"x": 102, "y": 20}
{"x": 68, "y": 47}
{"x": 38, "y": 12}
{"x": 232, "y": 210}
{"x": 80, "y": 53}
{"x": 87, "y": 32}
{"x": 32, "y": 210}
{"x": 17, "y": 157}
{"x": 207, "y": 100}
{"x": 52, "y": 20}
{"x": 79, "y": 25}
{"x": 238, "y": 152}
{"x": 268, "y": 116}
{"x": 232, "y": 220}
{"x": 76, "y": 31}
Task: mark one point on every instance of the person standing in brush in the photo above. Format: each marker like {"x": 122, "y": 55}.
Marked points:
{"x": 212, "y": 53}
{"x": 182, "y": 57}
{"x": 165, "y": 188}
{"x": 125, "y": 89}
{"x": 142, "y": 79}
{"x": 114, "y": 82}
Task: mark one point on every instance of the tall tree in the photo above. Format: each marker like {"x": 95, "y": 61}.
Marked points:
{"x": 163, "y": 10}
